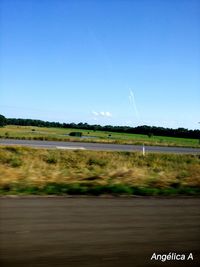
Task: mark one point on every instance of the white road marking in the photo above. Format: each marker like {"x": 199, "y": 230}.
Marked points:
{"x": 70, "y": 147}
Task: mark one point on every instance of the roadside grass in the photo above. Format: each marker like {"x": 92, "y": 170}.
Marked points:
{"x": 30, "y": 171}
{"x": 61, "y": 134}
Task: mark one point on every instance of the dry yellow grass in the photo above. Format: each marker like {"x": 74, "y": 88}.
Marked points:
{"x": 28, "y": 166}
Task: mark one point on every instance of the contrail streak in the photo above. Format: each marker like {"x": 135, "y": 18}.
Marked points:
{"x": 133, "y": 103}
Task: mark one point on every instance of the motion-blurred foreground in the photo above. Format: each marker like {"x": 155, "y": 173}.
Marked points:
{"x": 97, "y": 232}
{"x": 47, "y": 171}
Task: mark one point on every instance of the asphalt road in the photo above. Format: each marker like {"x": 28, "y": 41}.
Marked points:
{"x": 98, "y": 232}
{"x": 97, "y": 146}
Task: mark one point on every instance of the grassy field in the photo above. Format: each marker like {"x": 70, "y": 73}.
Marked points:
{"x": 60, "y": 134}
{"x": 26, "y": 170}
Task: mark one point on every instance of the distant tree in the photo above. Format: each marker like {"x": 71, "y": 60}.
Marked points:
{"x": 77, "y": 134}
{"x": 2, "y": 120}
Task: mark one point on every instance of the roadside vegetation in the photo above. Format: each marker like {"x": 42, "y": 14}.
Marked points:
{"x": 63, "y": 134}
{"x": 29, "y": 171}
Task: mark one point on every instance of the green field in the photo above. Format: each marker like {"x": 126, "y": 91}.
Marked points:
{"x": 61, "y": 134}
{"x": 26, "y": 170}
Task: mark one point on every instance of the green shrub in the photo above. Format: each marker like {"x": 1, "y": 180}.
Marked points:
{"x": 77, "y": 134}
{"x": 76, "y": 189}
{"x": 96, "y": 190}
{"x": 52, "y": 188}
{"x": 12, "y": 149}
{"x": 99, "y": 162}
{"x": 120, "y": 189}
{"x": 51, "y": 159}
{"x": 6, "y": 135}
{"x": 15, "y": 162}
{"x": 6, "y": 187}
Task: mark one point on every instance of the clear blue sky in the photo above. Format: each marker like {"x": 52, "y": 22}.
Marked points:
{"x": 103, "y": 62}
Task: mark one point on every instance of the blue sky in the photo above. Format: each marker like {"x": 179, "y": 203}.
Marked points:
{"x": 103, "y": 62}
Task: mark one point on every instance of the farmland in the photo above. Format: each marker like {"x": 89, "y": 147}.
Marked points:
{"x": 61, "y": 134}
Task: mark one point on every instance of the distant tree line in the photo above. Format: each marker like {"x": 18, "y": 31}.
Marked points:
{"x": 147, "y": 130}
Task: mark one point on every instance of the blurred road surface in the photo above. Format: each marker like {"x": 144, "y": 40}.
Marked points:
{"x": 97, "y": 232}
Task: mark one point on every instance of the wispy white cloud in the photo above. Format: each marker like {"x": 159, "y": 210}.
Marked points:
{"x": 95, "y": 113}
{"x": 102, "y": 114}
{"x": 108, "y": 114}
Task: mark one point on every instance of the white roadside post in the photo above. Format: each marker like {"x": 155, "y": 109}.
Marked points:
{"x": 143, "y": 150}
